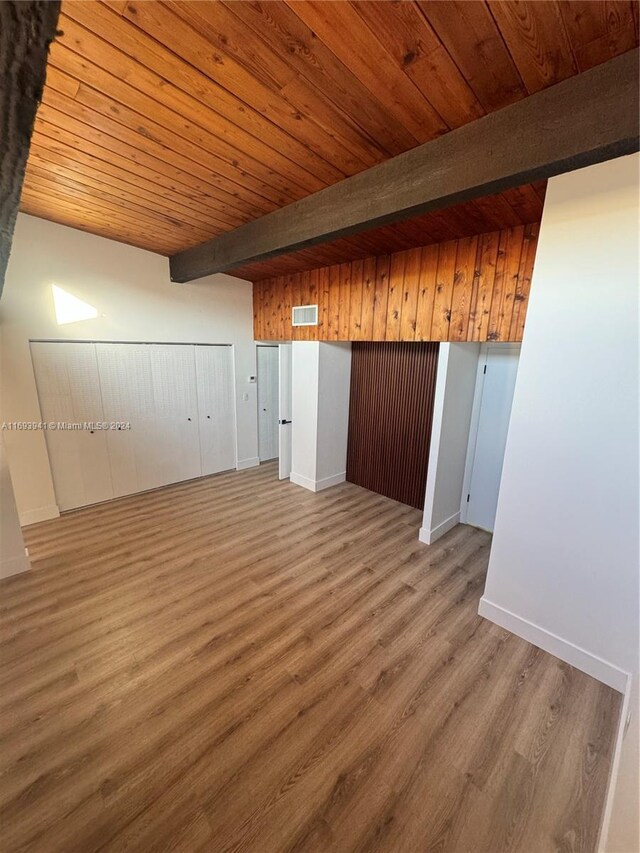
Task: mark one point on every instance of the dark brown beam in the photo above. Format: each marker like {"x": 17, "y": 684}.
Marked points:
{"x": 583, "y": 120}
{"x": 27, "y": 28}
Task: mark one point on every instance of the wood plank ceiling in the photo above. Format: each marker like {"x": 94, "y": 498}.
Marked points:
{"x": 164, "y": 124}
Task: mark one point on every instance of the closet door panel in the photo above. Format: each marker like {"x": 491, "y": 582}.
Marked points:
{"x": 125, "y": 378}
{"x": 152, "y": 386}
{"x": 216, "y": 406}
{"x": 177, "y": 447}
{"x": 69, "y": 392}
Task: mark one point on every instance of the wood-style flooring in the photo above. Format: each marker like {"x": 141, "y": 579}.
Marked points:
{"x": 237, "y": 664}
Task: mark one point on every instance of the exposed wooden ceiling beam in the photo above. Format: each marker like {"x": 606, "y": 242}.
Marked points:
{"x": 26, "y": 30}
{"x": 586, "y": 119}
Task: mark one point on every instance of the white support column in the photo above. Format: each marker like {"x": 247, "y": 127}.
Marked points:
{"x": 321, "y": 377}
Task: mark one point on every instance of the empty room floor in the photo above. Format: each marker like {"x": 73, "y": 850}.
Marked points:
{"x": 237, "y": 664}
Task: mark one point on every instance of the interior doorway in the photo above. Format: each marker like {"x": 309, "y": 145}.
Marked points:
{"x": 267, "y": 361}
{"x": 498, "y": 368}
{"x": 274, "y": 405}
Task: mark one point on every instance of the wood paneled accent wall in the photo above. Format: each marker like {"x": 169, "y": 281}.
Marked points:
{"x": 471, "y": 289}
{"x": 390, "y": 417}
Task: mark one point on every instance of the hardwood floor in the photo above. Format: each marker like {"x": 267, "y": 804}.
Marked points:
{"x": 236, "y": 664}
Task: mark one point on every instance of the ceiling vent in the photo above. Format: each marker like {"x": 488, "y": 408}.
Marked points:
{"x": 304, "y": 315}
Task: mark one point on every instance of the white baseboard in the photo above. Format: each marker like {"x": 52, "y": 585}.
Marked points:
{"x": 327, "y": 482}
{"x": 14, "y": 566}
{"x": 252, "y": 462}
{"x": 430, "y": 536}
{"x": 583, "y": 660}
{"x": 317, "y": 485}
{"x": 42, "y": 513}
{"x": 305, "y": 482}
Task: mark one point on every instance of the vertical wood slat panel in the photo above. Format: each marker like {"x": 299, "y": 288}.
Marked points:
{"x": 410, "y": 291}
{"x": 426, "y": 292}
{"x": 470, "y": 289}
{"x": 390, "y": 418}
{"x": 355, "y": 301}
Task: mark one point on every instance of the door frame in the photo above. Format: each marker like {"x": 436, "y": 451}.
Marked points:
{"x": 485, "y": 350}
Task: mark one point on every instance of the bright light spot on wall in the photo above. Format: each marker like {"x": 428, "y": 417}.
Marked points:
{"x": 70, "y": 309}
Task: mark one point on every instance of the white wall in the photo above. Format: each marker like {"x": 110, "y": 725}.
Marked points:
{"x": 136, "y": 301}
{"x": 13, "y": 558}
{"x": 321, "y": 377}
{"x": 453, "y": 403}
{"x": 564, "y": 567}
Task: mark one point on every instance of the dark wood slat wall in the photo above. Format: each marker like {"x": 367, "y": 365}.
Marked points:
{"x": 471, "y": 289}
{"x": 390, "y": 417}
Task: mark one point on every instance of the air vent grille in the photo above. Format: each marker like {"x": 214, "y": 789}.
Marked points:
{"x": 304, "y": 315}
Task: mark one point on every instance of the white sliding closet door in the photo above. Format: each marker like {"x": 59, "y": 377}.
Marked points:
{"x": 69, "y": 392}
{"x": 153, "y": 387}
{"x": 216, "y": 405}
{"x": 177, "y": 451}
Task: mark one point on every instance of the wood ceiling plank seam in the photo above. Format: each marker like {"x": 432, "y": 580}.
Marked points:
{"x": 540, "y": 189}
{"x": 128, "y": 192}
{"x": 299, "y": 43}
{"x": 262, "y": 62}
{"x": 92, "y": 122}
{"x": 414, "y": 46}
{"x": 520, "y": 26}
{"x": 156, "y": 56}
{"x": 110, "y": 58}
{"x": 253, "y": 53}
{"x": 137, "y": 241}
{"x": 164, "y": 123}
{"x": 567, "y": 39}
{"x": 611, "y": 28}
{"x": 525, "y": 202}
{"x": 64, "y": 192}
{"x": 67, "y": 215}
{"x": 489, "y": 207}
{"x": 97, "y": 168}
{"x": 116, "y": 222}
{"x": 487, "y": 64}
{"x": 487, "y": 5}
{"x": 57, "y": 126}
{"x": 89, "y": 125}
{"x": 243, "y": 86}
{"x": 407, "y": 103}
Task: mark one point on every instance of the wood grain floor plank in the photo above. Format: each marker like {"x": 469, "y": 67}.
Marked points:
{"x": 175, "y": 679}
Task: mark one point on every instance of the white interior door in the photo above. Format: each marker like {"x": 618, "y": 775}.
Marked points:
{"x": 267, "y": 402}
{"x": 284, "y": 410}
{"x": 486, "y": 453}
{"x": 69, "y": 392}
{"x": 216, "y": 408}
